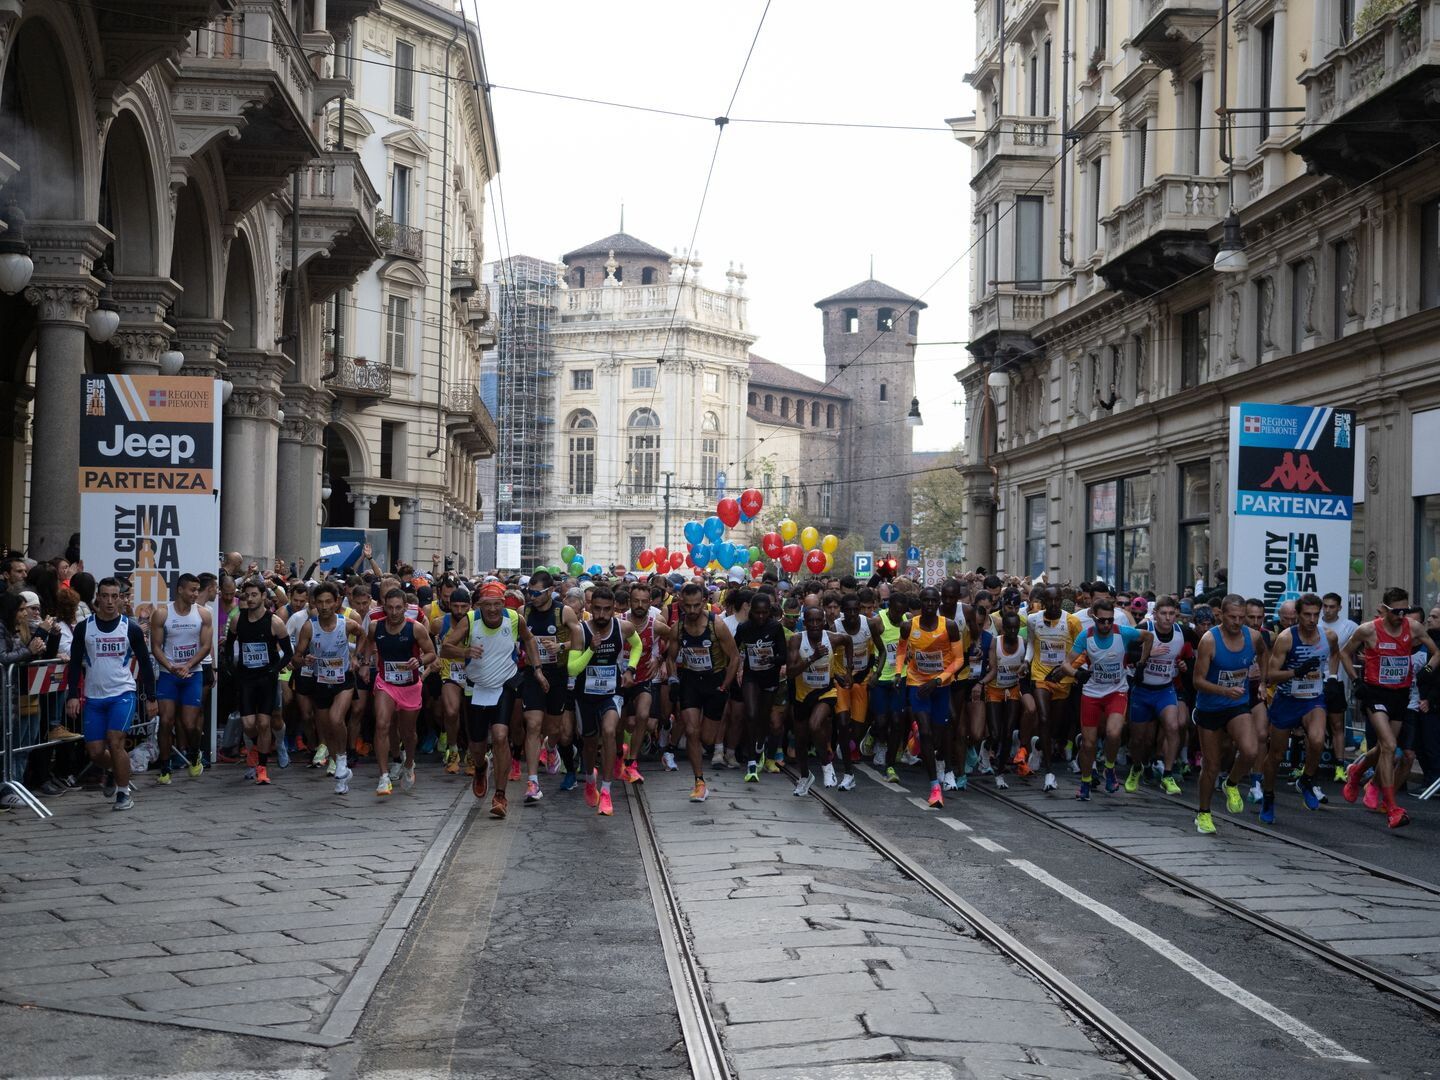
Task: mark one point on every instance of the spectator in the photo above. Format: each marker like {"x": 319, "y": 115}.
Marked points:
{"x": 84, "y": 586}
{"x": 13, "y": 569}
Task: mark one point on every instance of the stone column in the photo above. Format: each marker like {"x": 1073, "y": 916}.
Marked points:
{"x": 362, "y": 504}
{"x": 14, "y": 436}
{"x": 297, "y": 491}
{"x": 201, "y": 341}
{"x": 143, "y": 333}
{"x": 249, "y": 453}
{"x": 64, "y": 291}
{"x": 409, "y": 511}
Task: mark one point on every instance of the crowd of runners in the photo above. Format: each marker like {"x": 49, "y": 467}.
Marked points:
{"x": 534, "y": 680}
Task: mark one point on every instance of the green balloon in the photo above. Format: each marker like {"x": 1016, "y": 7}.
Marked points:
{"x": 755, "y": 554}
{"x": 577, "y": 567}
{"x": 558, "y": 571}
{"x": 1357, "y": 565}
{"x": 567, "y": 553}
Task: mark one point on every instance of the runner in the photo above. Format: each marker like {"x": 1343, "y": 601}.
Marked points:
{"x": 966, "y": 750}
{"x": 453, "y": 687}
{"x": 258, "y": 648}
{"x": 1154, "y": 702}
{"x": 764, "y": 652}
{"x": 101, "y": 682}
{"x": 852, "y": 701}
{"x": 1005, "y": 697}
{"x": 400, "y": 648}
{"x": 1053, "y": 633}
{"x": 817, "y": 672}
{"x": 930, "y": 651}
{"x": 890, "y": 708}
{"x": 325, "y": 641}
{"x": 700, "y": 645}
{"x": 1383, "y": 691}
{"x": 1337, "y": 696}
{"x": 1222, "y": 706}
{"x": 1304, "y": 657}
{"x": 640, "y": 696}
{"x": 547, "y": 707}
{"x": 597, "y": 664}
{"x": 180, "y": 636}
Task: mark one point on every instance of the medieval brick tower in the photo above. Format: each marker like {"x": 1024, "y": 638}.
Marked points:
{"x": 869, "y": 334}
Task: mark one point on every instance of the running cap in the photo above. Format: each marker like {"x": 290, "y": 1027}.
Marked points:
{"x": 676, "y": 579}
{"x": 29, "y": 599}
{"x": 492, "y": 590}
{"x": 1139, "y": 604}
{"x": 524, "y": 579}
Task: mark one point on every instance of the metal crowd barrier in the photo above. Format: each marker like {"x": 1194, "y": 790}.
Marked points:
{"x": 32, "y": 704}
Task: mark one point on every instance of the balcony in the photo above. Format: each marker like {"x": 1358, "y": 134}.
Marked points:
{"x": 469, "y": 420}
{"x": 478, "y": 324}
{"x": 1160, "y": 236}
{"x": 1000, "y": 323}
{"x": 1374, "y": 102}
{"x": 1016, "y": 138}
{"x": 243, "y": 83}
{"x": 357, "y": 378}
{"x": 138, "y": 34}
{"x": 1168, "y": 28}
{"x": 688, "y": 302}
{"x": 400, "y": 241}
{"x": 337, "y": 222}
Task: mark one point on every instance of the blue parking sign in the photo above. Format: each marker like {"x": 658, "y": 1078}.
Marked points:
{"x": 864, "y": 563}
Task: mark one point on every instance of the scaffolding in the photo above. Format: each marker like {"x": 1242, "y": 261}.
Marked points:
{"x": 524, "y": 294}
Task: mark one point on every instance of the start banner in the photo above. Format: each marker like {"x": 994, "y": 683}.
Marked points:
{"x": 149, "y": 479}
{"x": 1292, "y": 479}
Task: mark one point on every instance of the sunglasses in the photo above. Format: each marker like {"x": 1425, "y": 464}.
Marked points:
{"x": 1105, "y": 622}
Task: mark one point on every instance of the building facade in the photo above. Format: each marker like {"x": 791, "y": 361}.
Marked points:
{"x": 183, "y": 153}
{"x": 650, "y": 398}
{"x": 1108, "y": 350}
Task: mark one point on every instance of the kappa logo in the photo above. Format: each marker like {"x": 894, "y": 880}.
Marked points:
{"x": 1295, "y": 476}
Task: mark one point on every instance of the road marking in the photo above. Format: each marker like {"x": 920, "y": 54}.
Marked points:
{"x": 921, "y": 803}
{"x": 986, "y": 843}
{"x": 875, "y": 775}
{"x": 1296, "y": 1029}
{"x": 958, "y": 826}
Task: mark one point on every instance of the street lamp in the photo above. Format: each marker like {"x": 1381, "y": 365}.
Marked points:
{"x": 325, "y": 489}
{"x": 913, "y": 417}
{"x": 102, "y": 323}
{"x": 226, "y": 389}
{"x": 16, "y": 265}
{"x": 1231, "y": 258}
{"x": 172, "y": 359}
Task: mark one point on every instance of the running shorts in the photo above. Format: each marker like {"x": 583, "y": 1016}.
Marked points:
{"x": 590, "y": 709}
{"x": 323, "y": 695}
{"x": 996, "y": 694}
{"x": 1287, "y": 712}
{"x": 1058, "y": 691}
{"x": 1148, "y": 702}
{"x": 1379, "y": 699}
{"x": 887, "y": 697}
{"x": 187, "y": 691}
{"x": 702, "y": 691}
{"x": 479, "y": 719}
{"x": 1219, "y": 719}
{"x": 854, "y": 699}
{"x": 104, "y": 715}
{"x": 256, "y": 697}
{"x": 407, "y": 698}
{"x": 552, "y": 702}
{"x": 432, "y": 686}
{"x": 631, "y": 694}
{"x": 935, "y": 708}
{"x": 806, "y": 706}
{"x": 1094, "y": 710}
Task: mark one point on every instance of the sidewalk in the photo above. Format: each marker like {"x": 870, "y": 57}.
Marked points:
{"x": 220, "y": 905}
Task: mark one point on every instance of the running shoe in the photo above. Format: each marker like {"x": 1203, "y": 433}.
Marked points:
{"x": 363, "y": 748}
{"x": 1050, "y": 784}
{"x": 1112, "y": 782}
{"x": 1074, "y": 766}
{"x": 163, "y": 778}
{"x": 880, "y": 756}
{"x": 618, "y": 772}
{"x": 1257, "y": 791}
{"x": 1310, "y": 793}
{"x": 569, "y": 781}
{"x": 1132, "y": 779}
{"x": 717, "y": 757}
{"x": 395, "y": 769}
{"x": 984, "y": 766}
{"x": 867, "y": 745}
{"x": 330, "y": 768}
{"x": 1022, "y": 769}
{"x": 340, "y": 770}
{"x": 407, "y": 780}
{"x": 771, "y": 765}
{"x": 891, "y": 776}
{"x": 1351, "y": 791}
{"x": 1205, "y": 824}
{"x": 1070, "y": 750}
{"x": 282, "y": 754}
{"x": 804, "y": 784}
{"x": 342, "y": 787}
{"x": 123, "y": 801}
{"x": 469, "y": 769}
{"x": 605, "y": 808}
{"x": 452, "y": 761}
{"x": 443, "y": 743}
{"x": 533, "y": 794}
{"x": 480, "y": 782}
{"x": 1083, "y": 792}
{"x": 1234, "y": 801}
{"x": 514, "y": 769}
{"x": 1022, "y": 757}
{"x": 1396, "y": 818}
{"x": 499, "y": 806}
{"x": 972, "y": 759}
{"x": 262, "y": 775}
{"x": 1001, "y": 783}
{"x": 250, "y": 773}
{"x": 196, "y": 767}
{"x": 947, "y": 781}
{"x": 321, "y": 758}
{"x": 827, "y": 772}
{"x": 752, "y": 773}
{"x": 937, "y": 800}
{"x": 592, "y": 788}
{"x": 552, "y": 761}
{"x": 731, "y": 761}
{"x": 668, "y": 760}
{"x": 384, "y": 787}
{"x": 847, "y": 782}
{"x": 1340, "y": 774}
{"x": 907, "y": 758}
{"x": 699, "y": 793}
{"x": 1320, "y": 795}
{"x": 1036, "y": 758}
{"x": 1267, "y": 810}
{"x": 252, "y": 756}
{"x": 1169, "y": 785}
{"x": 961, "y": 781}
{"x": 632, "y": 773}
{"x": 107, "y": 788}
{"x": 1371, "y": 797}
{"x": 427, "y": 744}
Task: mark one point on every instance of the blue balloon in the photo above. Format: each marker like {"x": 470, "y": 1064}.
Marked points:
{"x": 596, "y": 569}
{"x": 714, "y": 528}
{"x": 729, "y": 555}
{"x": 693, "y": 533}
{"x": 702, "y": 554}
{"x": 745, "y": 518}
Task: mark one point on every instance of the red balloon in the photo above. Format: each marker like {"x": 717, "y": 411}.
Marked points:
{"x": 757, "y": 569}
{"x": 677, "y": 560}
{"x": 791, "y": 556}
{"x": 645, "y": 558}
{"x": 662, "y": 555}
{"x": 751, "y": 501}
{"x": 815, "y": 560}
{"x": 772, "y": 544}
{"x": 728, "y": 511}
{"x": 688, "y": 561}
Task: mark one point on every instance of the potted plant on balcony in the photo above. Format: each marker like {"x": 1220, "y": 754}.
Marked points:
{"x": 1092, "y": 70}
{"x": 1373, "y": 12}
{"x": 385, "y": 230}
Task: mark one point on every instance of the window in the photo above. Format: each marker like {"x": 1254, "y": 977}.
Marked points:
{"x": 1101, "y": 9}
{"x": 1032, "y": 83}
{"x": 619, "y": 273}
{"x": 643, "y": 444}
{"x": 405, "y": 80}
{"x": 851, "y": 320}
{"x": 1097, "y": 201}
{"x": 784, "y": 491}
{"x": 885, "y": 320}
{"x": 642, "y": 378}
{"x": 1195, "y": 108}
{"x": 767, "y": 485}
{"x": 712, "y": 382}
{"x": 1427, "y": 550}
{"x": 576, "y": 541}
{"x": 769, "y": 402}
{"x": 784, "y": 408}
{"x": 400, "y": 194}
{"x": 1137, "y": 161}
{"x": 1267, "y": 72}
{"x": 1299, "y": 301}
{"x": 709, "y": 450}
{"x": 1194, "y": 524}
{"x": 578, "y": 273}
{"x": 1035, "y": 515}
{"x": 582, "y": 379}
{"x": 1117, "y": 532}
{"x": 814, "y": 414}
{"x": 582, "y": 453}
{"x": 830, "y": 416}
{"x": 753, "y": 398}
{"x": 397, "y": 329}
{"x": 827, "y": 496}
{"x": 647, "y": 276}
{"x": 1194, "y": 346}
{"x": 1430, "y": 254}
{"x": 1045, "y": 79}
{"x": 637, "y": 545}
{"x": 389, "y": 445}
{"x": 1347, "y": 20}
{"x": 992, "y": 239}
{"x": 982, "y": 257}
{"x": 1344, "y": 282}
{"x": 1029, "y": 245}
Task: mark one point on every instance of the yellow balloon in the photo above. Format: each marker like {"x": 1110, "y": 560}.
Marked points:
{"x": 828, "y": 543}
{"x": 714, "y": 565}
{"x": 809, "y": 537}
{"x": 829, "y": 559}
{"x": 788, "y": 529}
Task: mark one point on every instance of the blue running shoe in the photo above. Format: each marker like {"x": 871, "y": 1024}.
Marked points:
{"x": 1112, "y": 782}
{"x": 1267, "y": 810}
{"x": 568, "y": 784}
{"x": 1311, "y": 795}
{"x": 1083, "y": 795}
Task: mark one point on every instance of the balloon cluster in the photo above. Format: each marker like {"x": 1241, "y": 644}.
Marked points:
{"x": 815, "y": 552}
{"x": 659, "y": 559}
{"x": 573, "y": 563}
{"x": 709, "y": 550}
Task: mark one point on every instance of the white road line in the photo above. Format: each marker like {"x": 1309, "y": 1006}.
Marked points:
{"x": 958, "y": 826}
{"x": 986, "y": 843}
{"x": 1296, "y": 1029}
{"x": 874, "y": 774}
{"x": 921, "y": 803}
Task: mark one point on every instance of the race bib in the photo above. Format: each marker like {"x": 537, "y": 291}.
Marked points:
{"x": 1231, "y": 679}
{"x": 182, "y": 653}
{"x": 330, "y": 670}
{"x": 1109, "y": 671}
{"x": 890, "y": 648}
{"x": 1051, "y": 654}
{"x": 977, "y": 664}
{"x": 818, "y": 676}
{"x": 1006, "y": 676}
{"x": 601, "y": 678}
{"x": 1394, "y": 671}
{"x": 255, "y": 654}
{"x": 696, "y": 658}
{"x": 1308, "y": 687}
{"x": 929, "y": 662}
{"x": 548, "y": 648}
{"x": 398, "y": 673}
{"x": 760, "y": 656}
{"x": 1160, "y": 670}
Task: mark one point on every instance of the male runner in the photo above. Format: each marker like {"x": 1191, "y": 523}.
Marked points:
{"x": 400, "y": 648}
{"x": 547, "y": 708}
{"x": 1004, "y": 691}
{"x": 640, "y": 696}
{"x": 455, "y": 610}
{"x": 1154, "y": 701}
{"x": 1303, "y": 658}
{"x": 180, "y": 635}
{"x": 101, "y": 653}
{"x": 258, "y": 646}
{"x": 325, "y": 642}
{"x": 888, "y": 697}
{"x": 1222, "y": 706}
{"x": 1053, "y": 633}
{"x": 812, "y": 664}
{"x": 930, "y": 651}
{"x": 1332, "y": 618}
{"x": 597, "y": 664}
{"x": 852, "y": 701}
{"x": 764, "y": 653}
{"x": 700, "y": 647}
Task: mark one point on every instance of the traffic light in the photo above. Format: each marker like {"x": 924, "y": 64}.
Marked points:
{"x": 887, "y": 566}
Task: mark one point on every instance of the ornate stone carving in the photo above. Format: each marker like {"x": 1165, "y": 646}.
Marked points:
{"x": 300, "y": 429}
{"x": 1075, "y": 385}
{"x": 1372, "y": 567}
{"x": 1351, "y": 310}
{"x": 361, "y": 500}
{"x": 1372, "y": 473}
{"x": 140, "y": 347}
{"x": 1235, "y": 326}
{"x": 1310, "y": 280}
{"x": 1267, "y": 313}
{"x": 62, "y": 302}
{"x": 1142, "y": 366}
{"x": 251, "y": 404}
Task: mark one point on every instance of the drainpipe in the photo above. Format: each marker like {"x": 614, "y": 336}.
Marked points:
{"x": 444, "y": 263}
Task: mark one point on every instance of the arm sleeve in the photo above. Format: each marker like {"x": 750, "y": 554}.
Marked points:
{"x": 575, "y": 662}
{"x": 142, "y": 657}
{"x": 287, "y": 653}
{"x": 637, "y": 648}
{"x": 901, "y": 648}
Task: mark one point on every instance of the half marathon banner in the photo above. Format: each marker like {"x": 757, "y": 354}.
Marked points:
{"x": 1292, "y": 475}
{"x": 149, "y": 479}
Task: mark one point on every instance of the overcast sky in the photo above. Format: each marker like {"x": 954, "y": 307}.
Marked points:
{"x": 804, "y": 208}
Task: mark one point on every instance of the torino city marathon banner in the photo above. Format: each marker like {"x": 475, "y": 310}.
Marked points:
{"x": 149, "y": 480}
{"x": 1292, "y": 478}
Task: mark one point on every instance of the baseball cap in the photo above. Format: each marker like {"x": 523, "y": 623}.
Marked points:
{"x": 676, "y": 579}
{"x": 1139, "y": 604}
{"x": 28, "y": 598}
{"x": 524, "y": 579}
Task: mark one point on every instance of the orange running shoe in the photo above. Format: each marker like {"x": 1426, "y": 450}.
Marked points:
{"x": 1397, "y": 818}
{"x": 606, "y": 808}
{"x": 252, "y": 757}
{"x": 632, "y": 774}
{"x": 1351, "y": 790}
{"x": 262, "y": 775}
{"x": 514, "y": 768}
{"x": 699, "y": 793}
{"x": 499, "y": 806}
{"x": 480, "y": 780}
{"x": 592, "y": 790}
{"x": 362, "y": 748}
{"x": 937, "y": 800}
